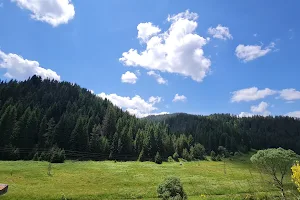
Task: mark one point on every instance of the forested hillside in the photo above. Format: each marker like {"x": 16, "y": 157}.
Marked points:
{"x": 235, "y": 133}
{"x": 37, "y": 115}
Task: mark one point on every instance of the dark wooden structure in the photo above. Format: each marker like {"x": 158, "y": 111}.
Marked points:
{"x": 3, "y": 189}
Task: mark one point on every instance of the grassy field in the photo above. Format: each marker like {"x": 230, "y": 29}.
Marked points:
{"x": 131, "y": 180}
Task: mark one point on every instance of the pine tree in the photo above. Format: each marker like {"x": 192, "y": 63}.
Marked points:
{"x": 7, "y": 124}
{"x": 42, "y": 132}
{"x": 94, "y": 142}
{"x": 109, "y": 122}
{"x": 49, "y": 135}
{"x": 23, "y": 134}
{"x": 32, "y": 130}
{"x": 79, "y": 138}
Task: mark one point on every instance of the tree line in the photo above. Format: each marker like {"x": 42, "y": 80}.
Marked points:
{"x": 39, "y": 116}
{"x": 235, "y": 133}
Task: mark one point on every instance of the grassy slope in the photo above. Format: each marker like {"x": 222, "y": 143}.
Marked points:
{"x": 129, "y": 180}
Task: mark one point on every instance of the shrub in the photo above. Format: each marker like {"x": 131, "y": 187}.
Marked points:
{"x": 57, "y": 155}
{"x": 54, "y": 155}
{"x": 36, "y": 156}
{"x": 213, "y": 156}
{"x": 157, "y": 158}
{"x": 218, "y": 158}
{"x": 237, "y": 153}
{"x": 176, "y": 156}
{"x": 186, "y": 155}
{"x": 171, "y": 189}
{"x": 223, "y": 151}
{"x": 44, "y": 156}
{"x": 170, "y": 159}
{"x": 141, "y": 157}
{"x": 198, "y": 151}
{"x": 296, "y": 174}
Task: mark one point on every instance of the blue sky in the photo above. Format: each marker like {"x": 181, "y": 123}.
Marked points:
{"x": 199, "y": 57}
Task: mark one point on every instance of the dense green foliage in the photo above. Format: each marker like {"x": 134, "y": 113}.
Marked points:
{"x": 37, "y": 115}
{"x": 235, "y": 133}
{"x": 171, "y": 189}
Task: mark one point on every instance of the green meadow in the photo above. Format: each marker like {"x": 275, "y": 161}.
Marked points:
{"x": 232, "y": 179}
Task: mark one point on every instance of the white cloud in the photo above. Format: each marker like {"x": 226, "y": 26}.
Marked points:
{"x": 129, "y": 77}
{"x": 220, "y": 32}
{"x": 146, "y": 30}
{"x": 19, "y": 68}
{"x": 252, "y": 52}
{"x": 135, "y": 105}
{"x": 255, "y": 34}
{"x": 138, "y": 73}
{"x": 295, "y": 114}
{"x": 1, "y": 5}
{"x": 261, "y": 109}
{"x": 161, "y": 113}
{"x": 178, "y": 50}
{"x": 179, "y": 98}
{"x": 251, "y": 94}
{"x": 154, "y": 100}
{"x": 54, "y": 12}
{"x": 245, "y": 114}
{"x": 290, "y": 94}
{"x": 157, "y": 76}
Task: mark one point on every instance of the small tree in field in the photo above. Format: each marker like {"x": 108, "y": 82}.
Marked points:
{"x": 171, "y": 189}
{"x": 186, "y": 155}
{"x": 157, "y": 158}
{"x": 213, "y": 156}
{"x": 199, "y": 151}
{"x": 176, "y": 156}
{"x": 276, "y": 163}
{"x": 296, "y": 175}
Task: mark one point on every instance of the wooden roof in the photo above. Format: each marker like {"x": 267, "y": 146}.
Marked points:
{"x": 3, "y": 188}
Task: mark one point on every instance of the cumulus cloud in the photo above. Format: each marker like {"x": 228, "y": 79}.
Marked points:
{"x": 129, "y": 77}
{"x": 54, "y": 12}
{"x": 178, "y": 50}
{"x": 260, "y": 109}
{"x": 247, "y": 53}
{"x": 19, "y": 68}
{"x": 251, "y": 94}
{"x": 295, "y": 114}
{"x": 245, "y": 114}
{"x": 179, "y": 98}
{"x": 157, "y": 76}
{"x": 136, "y": 105}
{"x": 290, "y": 94}
{"x": 154, "y": 100}
{"x": 146, "y": 30}
{"x": 220, "y": 32}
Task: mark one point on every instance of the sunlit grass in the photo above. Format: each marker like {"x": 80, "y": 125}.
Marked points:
{"x": 130, "y": 180}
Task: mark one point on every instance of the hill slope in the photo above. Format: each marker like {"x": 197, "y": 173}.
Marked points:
{"x": 37, "y": 115}
{"x": 235, "y": 133}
